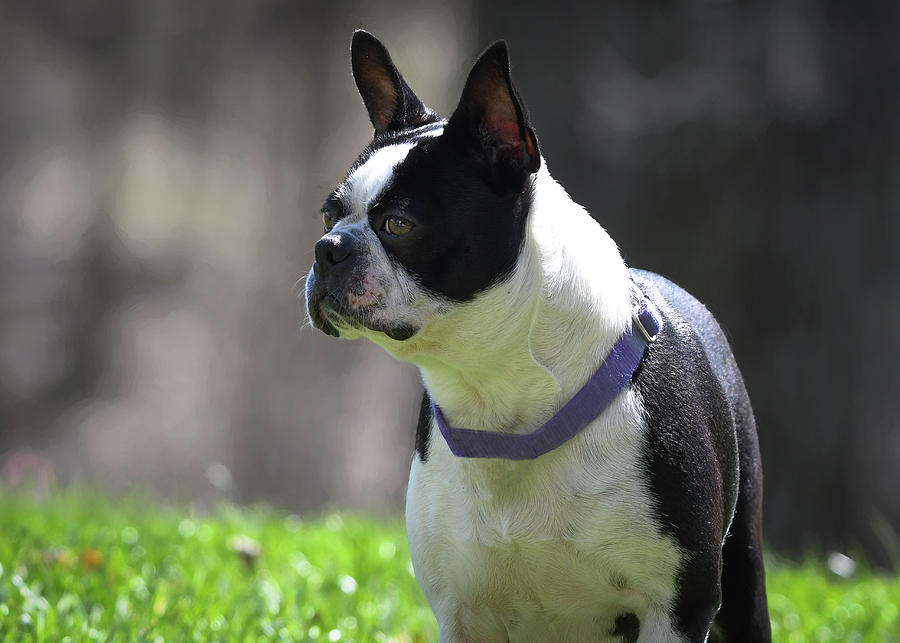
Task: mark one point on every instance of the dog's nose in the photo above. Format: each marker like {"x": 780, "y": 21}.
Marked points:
{"x": 333, "y": 249}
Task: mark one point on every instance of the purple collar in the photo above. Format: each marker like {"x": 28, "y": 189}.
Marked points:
{"x": 587, "y": 404}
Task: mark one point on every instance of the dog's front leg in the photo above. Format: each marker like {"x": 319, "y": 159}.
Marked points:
{"x": 657, "y": 627}
{"x": 462, "y": 624}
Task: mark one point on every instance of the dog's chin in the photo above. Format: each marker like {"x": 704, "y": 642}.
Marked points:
{"x": 401, "y": 332}
{"x": 328, "y": 315}
{"x": 323, "y": 313}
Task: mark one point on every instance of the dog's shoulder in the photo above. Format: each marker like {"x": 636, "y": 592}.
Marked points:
{"x": 690, "y": 448}
{"x": 686, "y": 382}
{"x": 712, "y": 339}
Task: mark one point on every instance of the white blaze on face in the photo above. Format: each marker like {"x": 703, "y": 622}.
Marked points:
{"x": 370, "y": 179}
{"x": 358, "y": 192}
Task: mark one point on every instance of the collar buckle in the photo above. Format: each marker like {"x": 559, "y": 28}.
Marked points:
{"x": 646, "y": 321}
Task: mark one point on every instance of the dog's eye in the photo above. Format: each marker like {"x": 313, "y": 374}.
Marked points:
{"x": 328, "y": 220}
{"x": 398, "y": 226}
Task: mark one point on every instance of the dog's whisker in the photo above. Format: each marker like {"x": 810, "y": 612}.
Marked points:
{"x": 301, "y": 281}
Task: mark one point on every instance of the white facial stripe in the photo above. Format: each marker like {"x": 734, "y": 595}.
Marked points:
{"x": 370, "y": 179}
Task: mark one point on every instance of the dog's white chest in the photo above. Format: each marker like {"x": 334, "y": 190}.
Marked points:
{"x": 552, "y": 549}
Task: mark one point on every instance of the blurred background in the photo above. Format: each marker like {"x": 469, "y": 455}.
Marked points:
{"x": 162, "y": 165}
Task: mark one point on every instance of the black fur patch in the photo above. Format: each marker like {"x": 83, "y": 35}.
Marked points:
{"x": 628, "y": 627}
{"x": 744, "y": 614}
{"x": 469, "y": 224}
{"x": 423, "y": 428}
{"x": 468, "y": 230}
{"x": 690, "y": 451}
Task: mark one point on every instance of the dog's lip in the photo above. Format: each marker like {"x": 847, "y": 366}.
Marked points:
{"x": 401, "y": 333}
{"x": 329, "y": 306}
{"x": 329, "y": 314}
{"x": 324, "y": 311}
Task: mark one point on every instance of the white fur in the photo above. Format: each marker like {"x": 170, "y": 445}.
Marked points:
{"x": 369, "y": 180}
{"x": 556, "y": 548}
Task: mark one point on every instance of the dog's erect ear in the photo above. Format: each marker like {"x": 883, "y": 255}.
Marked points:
{"x": 391, "y": 104}
{"x": 490, "y": 111}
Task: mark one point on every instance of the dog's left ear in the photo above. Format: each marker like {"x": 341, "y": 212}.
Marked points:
{"x": 492, "y": 116}
{"x": 391, "y": 104}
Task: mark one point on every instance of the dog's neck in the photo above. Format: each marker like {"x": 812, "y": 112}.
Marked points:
{"x": 510, "y": 358}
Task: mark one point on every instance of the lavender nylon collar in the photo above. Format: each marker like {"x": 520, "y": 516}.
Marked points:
{"x": 587, "y": 404}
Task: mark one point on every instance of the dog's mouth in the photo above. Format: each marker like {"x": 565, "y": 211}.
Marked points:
{"x": 330, "y": 315}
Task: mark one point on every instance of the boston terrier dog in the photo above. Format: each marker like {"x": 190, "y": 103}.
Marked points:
{"x": 586, "y": 464}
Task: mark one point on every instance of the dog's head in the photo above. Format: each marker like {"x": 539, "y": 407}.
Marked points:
{"x": 433, "y": 211}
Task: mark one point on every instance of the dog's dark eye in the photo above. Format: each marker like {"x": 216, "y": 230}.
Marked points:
{"x": 397, "y": 226}
{"x": 328, "y": 220}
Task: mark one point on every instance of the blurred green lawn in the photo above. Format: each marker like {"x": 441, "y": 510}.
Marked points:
{"x": 80, "y": 567}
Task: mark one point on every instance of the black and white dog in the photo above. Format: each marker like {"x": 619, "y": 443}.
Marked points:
{"x": 607, "y": 483}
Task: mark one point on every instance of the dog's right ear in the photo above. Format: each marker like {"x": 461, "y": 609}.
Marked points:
{"x": 491, "y": 118}
{"x": 391, "y": 104}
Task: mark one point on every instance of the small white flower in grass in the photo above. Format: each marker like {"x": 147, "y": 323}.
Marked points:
{"x": 247, "y": 548}
{"x": 842, "y": 565}
{"x": 293, "y": 523}
{"x": 792, "y": 621}
{"x": 187, "y": 528}
{"x": 301, "y": 565}
{"x": 334, "y": 635}
{"x": 347, "y": 584}
{"x": 122, "y": 607}
{"x": 386, "y": 550}
{"x": 130, "y": 535}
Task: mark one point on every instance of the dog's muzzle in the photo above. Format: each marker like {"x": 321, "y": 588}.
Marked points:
{"x": 336, "y": 255}
{"x": 340, "y": 293}
{"x": 321, "y": 306}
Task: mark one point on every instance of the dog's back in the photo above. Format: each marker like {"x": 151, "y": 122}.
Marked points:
{"x": 692, "y": 374}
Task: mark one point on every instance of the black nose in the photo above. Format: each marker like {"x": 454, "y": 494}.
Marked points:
{"x": 334, "y": 248}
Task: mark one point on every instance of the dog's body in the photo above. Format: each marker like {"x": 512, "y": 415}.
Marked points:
{"x": 450, "y": 245}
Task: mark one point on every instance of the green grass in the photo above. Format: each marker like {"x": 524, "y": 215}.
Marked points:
{"x": 79, "y": 567}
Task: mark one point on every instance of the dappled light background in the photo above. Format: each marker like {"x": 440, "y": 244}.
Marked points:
{"x": 162, "y": 165}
